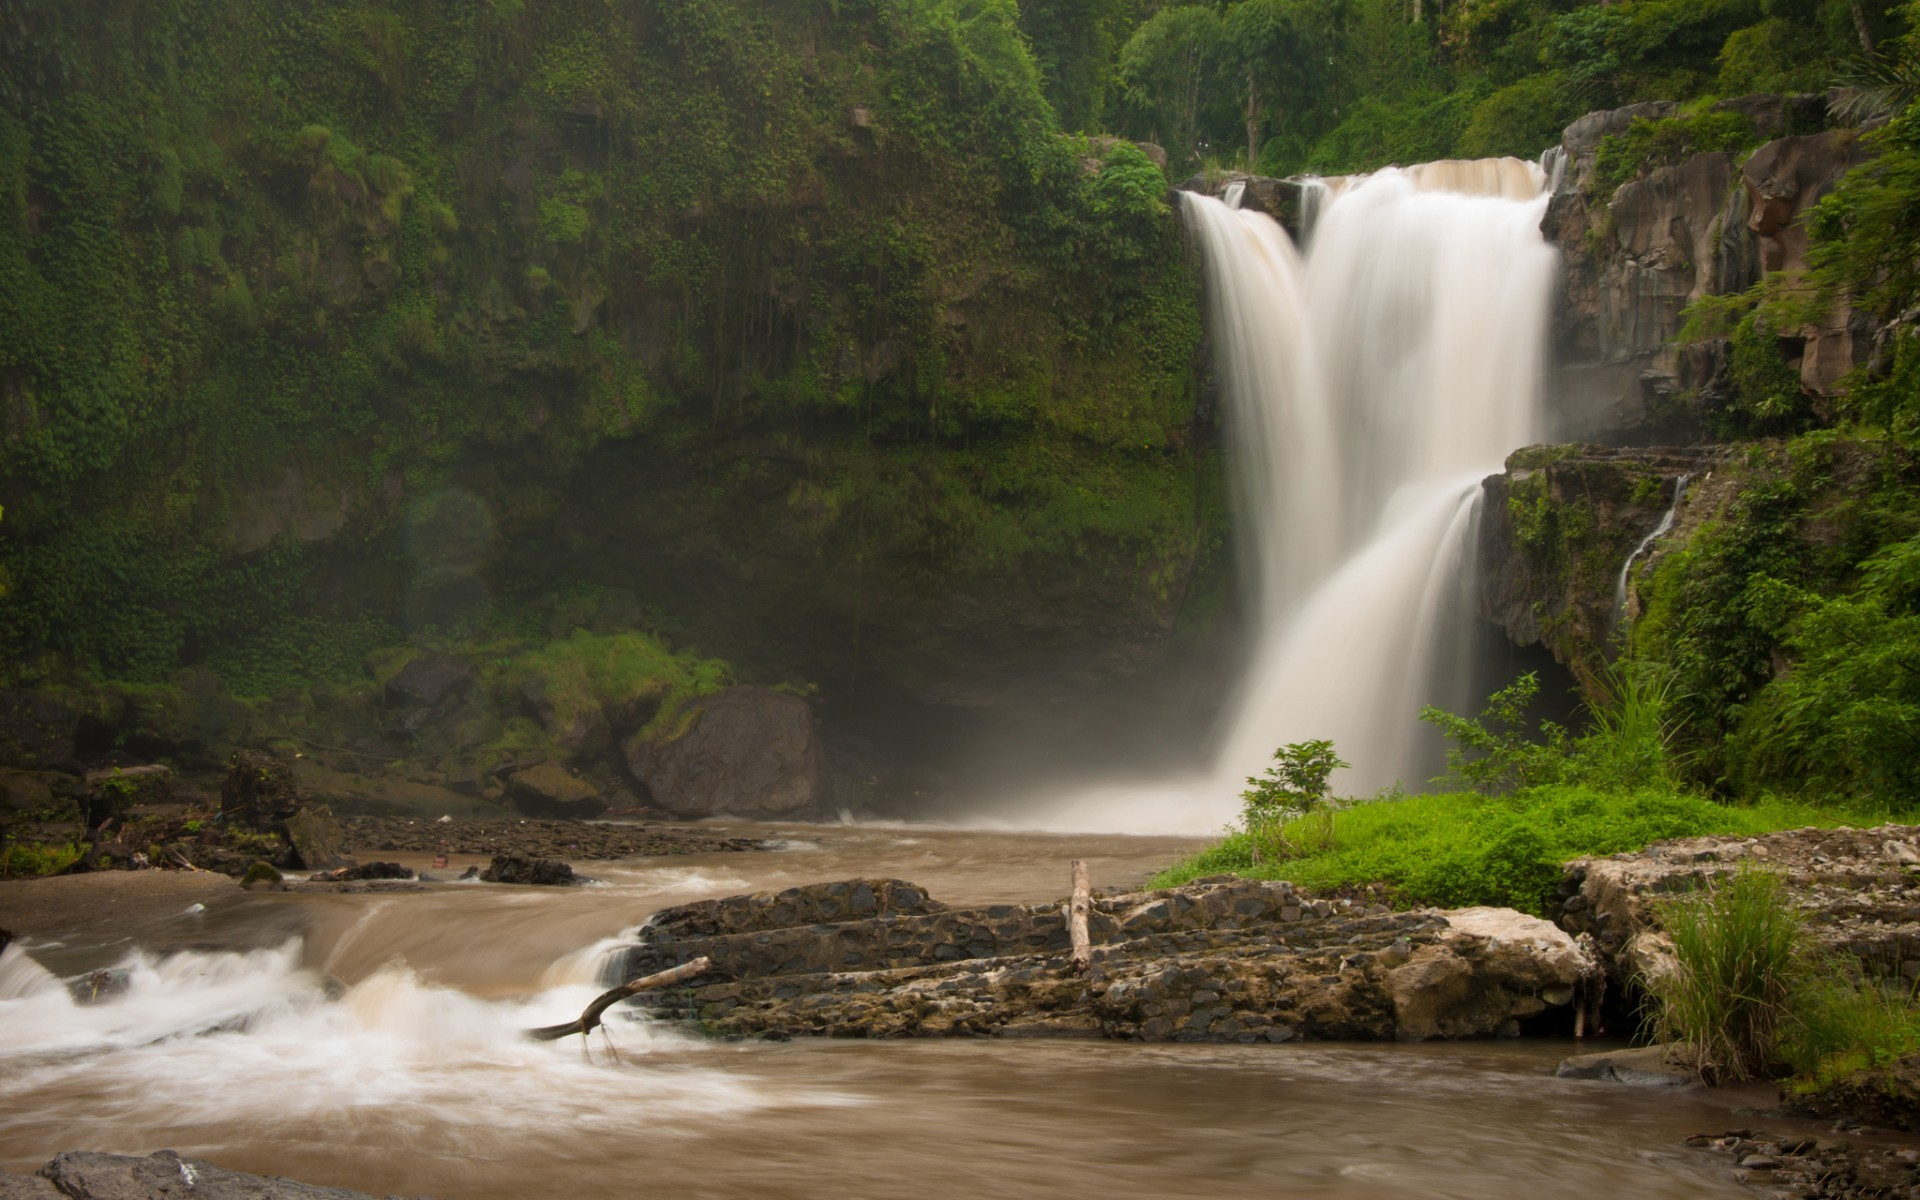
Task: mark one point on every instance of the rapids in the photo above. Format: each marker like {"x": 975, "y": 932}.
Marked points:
{"x": 352, "y": 1041}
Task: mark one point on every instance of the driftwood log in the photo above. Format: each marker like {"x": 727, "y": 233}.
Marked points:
{"x": 1078, "y": 909}
{"x": 590, "y": 1018}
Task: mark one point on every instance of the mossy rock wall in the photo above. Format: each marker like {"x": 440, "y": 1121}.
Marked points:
{"x": 800, "y": 325}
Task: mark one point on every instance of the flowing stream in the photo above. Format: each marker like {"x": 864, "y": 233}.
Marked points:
{"x": 370, "y": 1041}
{"x": 1371, "y": 384}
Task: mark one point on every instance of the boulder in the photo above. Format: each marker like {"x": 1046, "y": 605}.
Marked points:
{"x": 550, "y": 790}
{"x": 427, "y": 680}
{"x": 258, "y": 790}
{"x": 516, "y": 866}
{"x": 1642, "y": 1066}
{"x": 1226, "y": 961}
{"x": 745, "y": 751}
{"x": 37, "y": 727}
{"x": 317, "y": 839}
{"x": 90, "y": 1176}
{"x": 1860, "y": 890}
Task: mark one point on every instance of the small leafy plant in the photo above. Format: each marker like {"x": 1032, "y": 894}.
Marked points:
{"x": 1292, "y": 793}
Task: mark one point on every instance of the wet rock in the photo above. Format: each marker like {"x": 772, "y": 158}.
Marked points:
{"x": 1555, "y": 529}
{"x": 372, "y": 870}
{"x": 1706, "y": 226}
{"x": 428, "y": 680}
{"x": 1204, "y": 962}
{"x": 89, "y": 1176}
{"x": 258, "y": 790}
{"x": 37, "y": 727}
{"x": 518, "y": 867}
{"x": 1860, "y": 898}
{"x": 745, "y": 751}
{"x": 1645, "y": 1066}
{"x": 263, "y": 875}
{"x": 317, "y": 839}
{"x": 29, "y": 791}
{"x": 550, "y": 790}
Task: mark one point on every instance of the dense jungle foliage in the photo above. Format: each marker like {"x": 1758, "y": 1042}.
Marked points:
{"x": 325, "y": 326}
{"x": 833, "y": 336}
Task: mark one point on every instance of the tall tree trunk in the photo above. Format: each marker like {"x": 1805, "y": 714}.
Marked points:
{"x": 1860, "y": 26}
{"x": 1253, "y": 122}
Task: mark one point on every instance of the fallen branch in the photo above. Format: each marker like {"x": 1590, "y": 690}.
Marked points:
{"x": 590, "y": 1019}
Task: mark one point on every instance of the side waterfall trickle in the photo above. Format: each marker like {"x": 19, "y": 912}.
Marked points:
{"x": 1371, "y": 385}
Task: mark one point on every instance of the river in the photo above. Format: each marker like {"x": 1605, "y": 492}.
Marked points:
{"x": 370, "y": 1041}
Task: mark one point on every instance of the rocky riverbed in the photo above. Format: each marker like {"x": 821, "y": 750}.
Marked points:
{"x": 1220, "y": 960}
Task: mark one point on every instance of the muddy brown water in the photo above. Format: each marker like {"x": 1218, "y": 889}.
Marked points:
{"x": 370, "y": 1041}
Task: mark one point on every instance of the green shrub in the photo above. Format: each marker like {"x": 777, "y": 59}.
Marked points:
{"x": 1841, "y": 1026}
{"x": 23, "y": 860}
{"x": 1649, "y": 145}
{"x": 1738, "y": 961}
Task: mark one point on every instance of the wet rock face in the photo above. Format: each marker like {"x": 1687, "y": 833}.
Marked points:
{"x": 550, "y": 790}
{"x": 1858, "y": 888}
{"x": 1556, "y": 528}
{"x": 747, "y": 751}
{"x": 1238, "y": 961}
{"x": 1707, "y": 226}
{"x": 258, "y": 790}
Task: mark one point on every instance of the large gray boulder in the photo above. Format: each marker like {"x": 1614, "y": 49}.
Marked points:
{"x": 745, "y": 751}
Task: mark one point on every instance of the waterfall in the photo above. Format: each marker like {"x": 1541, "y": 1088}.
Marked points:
{"x": 1371, "y": 384}
{"x": 1646, "y": 543}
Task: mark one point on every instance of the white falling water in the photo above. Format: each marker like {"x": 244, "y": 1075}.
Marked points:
{"x": 1372, "y": 385}
{"x": 1646, "y": 544}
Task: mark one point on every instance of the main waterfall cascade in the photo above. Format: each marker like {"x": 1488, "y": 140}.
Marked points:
{"x": 1372, "y": 383}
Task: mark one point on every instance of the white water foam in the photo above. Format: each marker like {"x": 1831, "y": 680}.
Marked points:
{"x": 210, "y": 1039}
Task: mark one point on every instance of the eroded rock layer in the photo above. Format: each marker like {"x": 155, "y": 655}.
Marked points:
{"x": 1220, "y": 960}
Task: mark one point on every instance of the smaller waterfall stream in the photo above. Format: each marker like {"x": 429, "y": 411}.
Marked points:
{"x": 1646, "y": 543}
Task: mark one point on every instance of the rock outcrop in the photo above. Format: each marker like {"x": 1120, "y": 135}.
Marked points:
{"x": 89, "y": 1176}
{"x": 1558, "y": 528}
{"x": 1709, "y": 225}
{"x": 1222, "y": 960}
{"x": 745, "y": 751}
{"x": 1858, "y": 888}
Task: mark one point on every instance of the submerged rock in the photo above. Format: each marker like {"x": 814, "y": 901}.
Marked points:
{"x": 1232, "y": 961}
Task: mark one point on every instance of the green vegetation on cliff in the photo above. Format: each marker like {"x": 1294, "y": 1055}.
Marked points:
{"x": 317, "y": 323}
{"x": 1349, "y": 85}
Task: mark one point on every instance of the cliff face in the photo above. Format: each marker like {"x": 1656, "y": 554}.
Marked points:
{"x": 796, "y": 331}
{"x": 1638, "y": 251}
{"x": 1557, "y": 531}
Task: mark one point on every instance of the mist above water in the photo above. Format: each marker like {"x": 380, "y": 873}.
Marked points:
{"x": 1372, "y": 383}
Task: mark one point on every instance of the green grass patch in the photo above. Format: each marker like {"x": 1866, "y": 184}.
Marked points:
{"x": 24, "y": 860}
{"x": 1456, "y": 849}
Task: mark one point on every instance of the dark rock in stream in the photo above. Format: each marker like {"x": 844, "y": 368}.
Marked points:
{"x": 88, "y": 1176}
{"x": 1233, "y": 961}
{"x": 516, "y": 866}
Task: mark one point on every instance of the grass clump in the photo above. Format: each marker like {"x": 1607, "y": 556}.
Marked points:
{"x": 1456, "y": 849}
{"x": 1749, "y": 997}
{"x": 26, "y": 860}
{"x": 1738, "y": 967}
